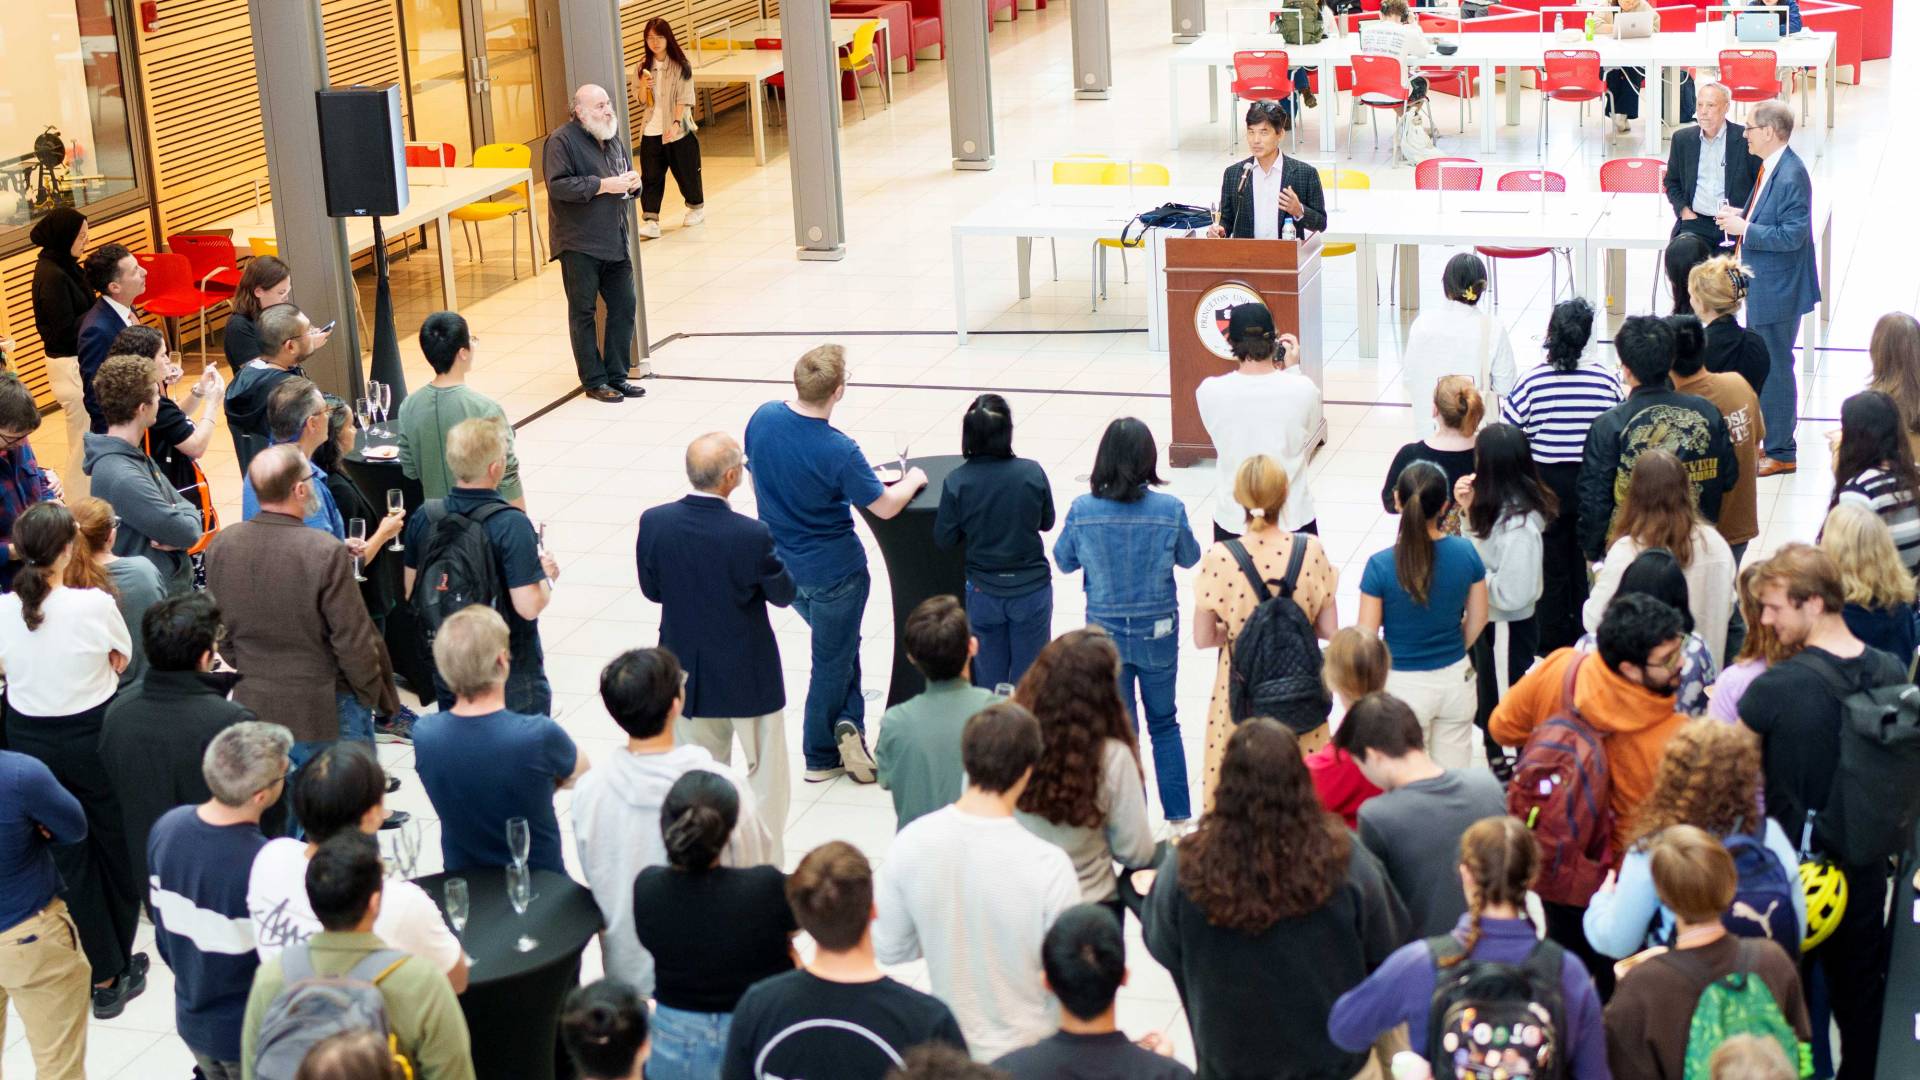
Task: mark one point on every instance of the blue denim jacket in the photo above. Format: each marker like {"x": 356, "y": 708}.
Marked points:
{"x": 1129, "y": 550}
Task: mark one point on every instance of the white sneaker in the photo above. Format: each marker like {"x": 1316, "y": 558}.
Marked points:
{"x": 694, "y": 217}
{"x": 650, "y": 230}
{"x": 1621, "y": 125}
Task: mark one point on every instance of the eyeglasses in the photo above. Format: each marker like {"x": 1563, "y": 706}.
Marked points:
{"x": 1671, "y": 663}
{"x": 8, "y": 442}
{"x": 114, "y": 522}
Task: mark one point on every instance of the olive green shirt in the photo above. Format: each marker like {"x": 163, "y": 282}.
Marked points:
{"x": 422, "y": 1012}
{"x": 919, "y": 749}
{"x": 426, "y": 417}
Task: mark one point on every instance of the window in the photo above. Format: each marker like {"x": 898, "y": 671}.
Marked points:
{"x": 66, "y": 134}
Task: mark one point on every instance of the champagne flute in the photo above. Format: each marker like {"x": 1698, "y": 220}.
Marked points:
{"x": 1725, "y": 240}
{"x": 519, "y": 839}
{"x": 396, "y": 503}
{"x": 901, "y": 448}
{"x": 457, "y": 909}
{"x": 363, "y": 412}
{"x": 386, "y": 405}
{"x": 373, "y": 407}
{"x": 520, "y": 895}
{"x": 357, "y": 530}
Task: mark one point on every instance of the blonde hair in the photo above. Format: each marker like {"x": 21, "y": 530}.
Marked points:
{"x": 1357, "y": 663}
{"x": 1260, "y": 487}
{"x": 1712, "y": 284}
{"x": 1458, "y": 403}
{"x": 472, "y": 448}
{"x": 1762, "y": 643}
{"x": 467, "y": 648}
{"x": 1871, "y": 573}
{"x": 819, "y": 373}
{"x": 1751, "y": 1057}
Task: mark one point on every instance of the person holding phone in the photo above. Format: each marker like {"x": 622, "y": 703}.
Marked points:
{"x": 1267, "y": 406}
{"x": 667, "y": 142}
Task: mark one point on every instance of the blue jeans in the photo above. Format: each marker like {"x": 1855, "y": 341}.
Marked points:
{"x": 1780, "y": 395}
{"x": 1011, "y": 630}
{"x": 833, "y": 612}
{"x": 687, "y": 1045}
{"x": 356, "y": 724}
{"x": 1150, "y": 665}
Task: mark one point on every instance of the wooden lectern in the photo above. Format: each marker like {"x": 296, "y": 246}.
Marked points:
{"x": 1206, "y": 279}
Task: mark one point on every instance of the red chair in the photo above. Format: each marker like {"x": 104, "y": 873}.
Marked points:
{"x": 1527, "y": 180}
{"x": 428, "y": 156}
{"x": 1569, "y": 75}
{"x": 1379, "y": 82}
{"x": 776, "y": 84}
{"x": 1260, "y": 75}
{"x": 1638, "y": 176}
{"x": 1427, "y": 176}
{"x": 1750, "y": 75}
{"x": 927, "y": 31}
{"x": 172, "y": 295}
{"x": 216, "y": 264}
{"x": 1458, "y": 81}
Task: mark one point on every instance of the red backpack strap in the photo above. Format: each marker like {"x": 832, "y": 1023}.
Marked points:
{"x": 1566, "y": 690}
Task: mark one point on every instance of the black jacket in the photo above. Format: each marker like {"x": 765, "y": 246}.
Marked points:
{"x": 246, "y": 407}
{"x": 1731, "y": 347}
{"x": 1236, "y": 196}
{"x": 1683, "y": 168}
{"x": 579, "y": 218}
{"x": 998, "y": 507}
{"x": 61, "y": 298}
{"x": 1652, "y": 418}
{"x": 713, "y": 572}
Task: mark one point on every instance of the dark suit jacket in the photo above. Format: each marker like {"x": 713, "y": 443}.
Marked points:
{"x": 1236, "y": 198}
{"x": 1683, "y": 167}
{"x": 713, "y": 572}
{"x": 295, "y": 625}
{"x": 98, "y": 327}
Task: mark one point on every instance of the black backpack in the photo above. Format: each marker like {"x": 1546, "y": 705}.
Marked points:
{"x": 1496, "y": 1020}
{"x": 1178, "y": 216}
{"x": 1274, "y": 662}
{"x": 458, "y": 568}
{"x": 1876, "y": 790}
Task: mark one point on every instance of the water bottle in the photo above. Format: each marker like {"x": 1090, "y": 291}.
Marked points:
{"x": 1287, "y": 231}
{"x": 1559, "y": 24}
{"x": 1591, "y": 23}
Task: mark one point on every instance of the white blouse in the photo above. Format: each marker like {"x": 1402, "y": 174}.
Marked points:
{"x": 62, "y": 668}
{"x": 1452, "y": 338}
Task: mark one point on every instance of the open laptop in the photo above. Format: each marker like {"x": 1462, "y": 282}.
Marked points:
{"x": 1759, "y": 26}
{"x": 1628, "y": 25}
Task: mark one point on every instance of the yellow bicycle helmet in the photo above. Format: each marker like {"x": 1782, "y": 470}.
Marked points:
{"x": 1826, "y": 889}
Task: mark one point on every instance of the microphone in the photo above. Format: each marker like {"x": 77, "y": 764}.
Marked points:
{"x": 1246, "y": 171}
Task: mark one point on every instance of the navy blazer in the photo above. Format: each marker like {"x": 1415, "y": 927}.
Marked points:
{"x": 98, "y": 327}
{"x": 1779, "y": 246}
{"x": 713, "y": 572}
{"x": 1683, "y": 167}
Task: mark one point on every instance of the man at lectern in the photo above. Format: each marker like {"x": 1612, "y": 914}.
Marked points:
{"x": 1269, "y": 196}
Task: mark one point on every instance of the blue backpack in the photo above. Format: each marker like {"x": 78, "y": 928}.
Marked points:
{"x": 1763, "y": 903}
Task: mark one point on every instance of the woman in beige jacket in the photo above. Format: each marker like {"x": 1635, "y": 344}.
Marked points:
{"x": 667, "y": 142}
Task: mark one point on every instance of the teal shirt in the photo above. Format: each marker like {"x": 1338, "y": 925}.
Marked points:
{"x": 919, "y": 748}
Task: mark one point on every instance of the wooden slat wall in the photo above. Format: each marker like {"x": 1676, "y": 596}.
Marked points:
{"x": 633, "y": 22}
{"x": 16, "y": 296}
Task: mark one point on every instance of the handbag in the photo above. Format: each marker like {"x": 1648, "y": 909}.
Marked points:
{"x": 1168, "y": 216}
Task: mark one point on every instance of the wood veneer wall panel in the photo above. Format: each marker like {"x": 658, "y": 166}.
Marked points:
{"x": 16, "y": 296}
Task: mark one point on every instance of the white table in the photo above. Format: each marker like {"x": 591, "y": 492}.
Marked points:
{"x": 428, "y": 200}
{"x": 1509, "y": 49}
{"x": 1025, "y": 218}
{"x": 753, "y": 67}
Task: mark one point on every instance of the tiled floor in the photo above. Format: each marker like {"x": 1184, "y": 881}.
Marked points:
{"x": 747, "y": 308}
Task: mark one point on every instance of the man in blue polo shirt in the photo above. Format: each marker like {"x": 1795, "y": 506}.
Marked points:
{"x": 807, "y": 477}
{"x": 297, "y": 413}
{"x": 477, "y": 461}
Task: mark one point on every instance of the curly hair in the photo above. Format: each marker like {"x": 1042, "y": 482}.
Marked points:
{"x": 1073, "y": 688}
{"x": 1269, "y": 850}
{"x": 1709, "y": 776}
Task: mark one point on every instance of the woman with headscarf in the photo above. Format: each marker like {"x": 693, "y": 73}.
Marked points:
{"x": 60, "y": 298}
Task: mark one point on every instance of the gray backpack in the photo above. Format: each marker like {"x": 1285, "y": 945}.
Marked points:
{"x": 310, "y": 1007}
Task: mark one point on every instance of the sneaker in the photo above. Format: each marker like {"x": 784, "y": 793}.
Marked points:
{"x": 650, "y": 230}
{"x": 111, "y": 1000}
{"x": 395, "y": 729}
{"x": 853, "y": 752}
{"x": 1621, "y": 125}
{"x": 395, "y": 819}
{"x": 393, "y": 784}
{"x": 1309, "y": 99}
{"x": 821, "y": 776}
{"x": 694, "y": 217}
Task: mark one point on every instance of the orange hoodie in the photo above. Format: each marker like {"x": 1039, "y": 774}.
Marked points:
{"x": 1634, "y": 721}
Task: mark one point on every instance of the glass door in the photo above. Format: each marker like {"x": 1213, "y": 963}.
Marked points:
{"x": 439, "y": 77}
{"x": 510, "y": 70}
{"x": 473, "y": 70}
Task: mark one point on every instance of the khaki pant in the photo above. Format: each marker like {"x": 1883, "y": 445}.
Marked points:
{"x": 1444, "y": 701}
{"x": 764, "y": 741}
{"x": 44, "y": 974}
{"x": 63, "y": 375}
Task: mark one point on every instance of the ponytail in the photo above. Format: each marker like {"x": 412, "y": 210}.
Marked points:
{"x": 1422, "y": 493}
{"x": 94, "y": 521}
{"x": 1501, "y": 857}
{"x": 40, "y": 535}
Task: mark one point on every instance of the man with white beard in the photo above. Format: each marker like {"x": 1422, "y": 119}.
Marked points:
{"x": 589, "y": 179}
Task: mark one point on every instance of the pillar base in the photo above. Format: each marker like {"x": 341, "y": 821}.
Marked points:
{"x": 1090, "y": 95}
{"x": 832, "y": 254}
{"x": 971, "y": 165}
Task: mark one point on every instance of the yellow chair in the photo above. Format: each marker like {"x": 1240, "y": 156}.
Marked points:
{"x": 1098, "y": 170}
{"x": 515, "y": 202}
{"x": 263, "y": 245}
{"x": 1349, "y": 181}
{"x": 860, "y": 60}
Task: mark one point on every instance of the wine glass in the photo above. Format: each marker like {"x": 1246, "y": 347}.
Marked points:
{"x": 363, "y": 412}
{"x": 396, "y": 503}
{"x": 373, "y": 407}
{"x": 1725, "y": 240}
{"x": 901, "y": 448}
{"x": 357, "y": 530}
{"x": 520, "y": 895}
{"x": 519, "y": 839}
{"x": 386, "y": 405}
{"x": 457, "y": 909}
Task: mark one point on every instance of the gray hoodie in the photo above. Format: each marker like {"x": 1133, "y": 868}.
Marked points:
{"x": 150, "y": 510}
{"x": 1512, "y": 554}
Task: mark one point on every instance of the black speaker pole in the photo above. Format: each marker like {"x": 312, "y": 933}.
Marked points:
{"x": 386, "y": 341}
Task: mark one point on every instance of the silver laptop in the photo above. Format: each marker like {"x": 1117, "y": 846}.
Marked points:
{"x": 1759, "y": 26}
{"x": 1633, "y": 24}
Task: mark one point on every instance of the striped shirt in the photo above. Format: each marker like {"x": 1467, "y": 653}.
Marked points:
{"x": 1881, "y": 491}
{"x": 1555, "y": 408}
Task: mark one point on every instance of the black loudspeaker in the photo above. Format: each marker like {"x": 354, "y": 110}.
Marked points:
{"x": 362, "y": 150}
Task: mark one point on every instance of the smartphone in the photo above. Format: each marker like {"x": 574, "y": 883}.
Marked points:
{"x": 327, "y": 329}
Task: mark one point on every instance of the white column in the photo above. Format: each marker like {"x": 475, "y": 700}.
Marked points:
{"x": 813, "y": 131}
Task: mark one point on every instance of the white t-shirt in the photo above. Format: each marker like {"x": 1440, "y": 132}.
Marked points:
{"x": 62, "y": 668}
{"x": 1454, "y": 338}
{"x": 976, "y": 896}
{"x": 1276, "y": 415}
{"x": 277, "y": 904}
{"x": 656, "y": 116}
{"x": 1403, "y": 40}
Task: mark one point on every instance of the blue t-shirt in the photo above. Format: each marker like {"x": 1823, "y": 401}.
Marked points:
{"x": 807, "y": 474}
{"x": 481, "y": 770}
{"x": 1425, "y": 637}
{"x": 325, "y": 517}
{"x": 516, "y": 547}
{"x": 30, "y": 798}
{"x": 197, "y": 877}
